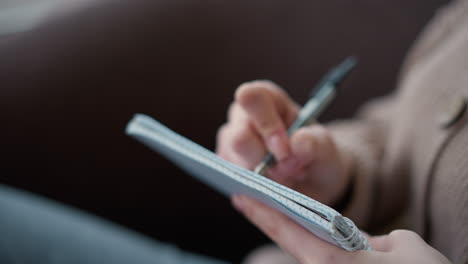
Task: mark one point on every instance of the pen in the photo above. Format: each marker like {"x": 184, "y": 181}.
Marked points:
{"x": 321, "y": 96}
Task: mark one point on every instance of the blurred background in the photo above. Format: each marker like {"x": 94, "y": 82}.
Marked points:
{"x": 72, "y": 73}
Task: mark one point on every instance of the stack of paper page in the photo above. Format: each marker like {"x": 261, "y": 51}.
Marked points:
{"x": 230, "y": 179}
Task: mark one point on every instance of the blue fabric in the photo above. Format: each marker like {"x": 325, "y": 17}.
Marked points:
{"x": 36, "y": 230}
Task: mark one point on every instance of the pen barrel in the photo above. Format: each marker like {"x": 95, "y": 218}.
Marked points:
{"x": 313, "y": 108}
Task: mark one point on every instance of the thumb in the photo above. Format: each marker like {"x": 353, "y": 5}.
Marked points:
{"x": 312, "y": 143}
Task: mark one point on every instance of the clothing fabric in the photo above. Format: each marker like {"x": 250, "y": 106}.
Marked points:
{"x": 409, "y": 160}
{"x": 37, "y": 230}
{"x": 411, "y": 147}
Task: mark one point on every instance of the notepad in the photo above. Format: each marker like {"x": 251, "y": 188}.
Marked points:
{"x": 230, "y": 179}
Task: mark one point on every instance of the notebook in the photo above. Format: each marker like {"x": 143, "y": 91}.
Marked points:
{"x": 230, "y": 179}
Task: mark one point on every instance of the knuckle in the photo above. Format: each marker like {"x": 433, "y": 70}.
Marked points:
{"x": 396, "y": 233}
{"x": 240, "y": 140}
{"x": 236, "y": 114}
{"x": 412, "y": 235}
{"x": 232, "y": 111}
{"x": 325, "y": 258}
{"x": 265, "y": 83}
{"x": 404, "y": 234}
{"x": 221, "y": 131}
{"x": 251, "y": 92}
{"x": 271, "y": 87}
{"x": 249, "y": 95}
{"x": 220, "y": 134}
{"x": 220, "y": 138}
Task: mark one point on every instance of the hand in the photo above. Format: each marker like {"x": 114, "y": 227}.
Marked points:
{"x": 308, "y": 161}
{"x": 399, "y": 246}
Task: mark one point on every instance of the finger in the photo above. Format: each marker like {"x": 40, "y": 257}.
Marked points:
{"x": 238, "y": 117}
{"x": 311, "y": 143}
{"x": 403, "y": 239}
{"x": 287, "y": 172}
{"x": 395, "y": 239}
{"x": 287, "y": 108}
{"x": 302, "y": 149}
{"x": 240, "y": 145}
{"x": 407, "y": 243}
{"x": 265, "y": 109}
{"x": 380, "y": 243}
{"x": 293, "y": 238}
{"x": 236, "y": 114}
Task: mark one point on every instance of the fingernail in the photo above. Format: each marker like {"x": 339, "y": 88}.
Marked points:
{"x": 238, "y": 202}
{"x": 277, "y": 143}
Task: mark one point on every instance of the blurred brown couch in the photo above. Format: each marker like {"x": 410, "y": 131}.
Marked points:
{"x": 68, "y": 87}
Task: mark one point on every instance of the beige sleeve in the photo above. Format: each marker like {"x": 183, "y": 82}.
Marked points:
{"x": 368, "y": 138}
{"x": 363, "y": 141}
